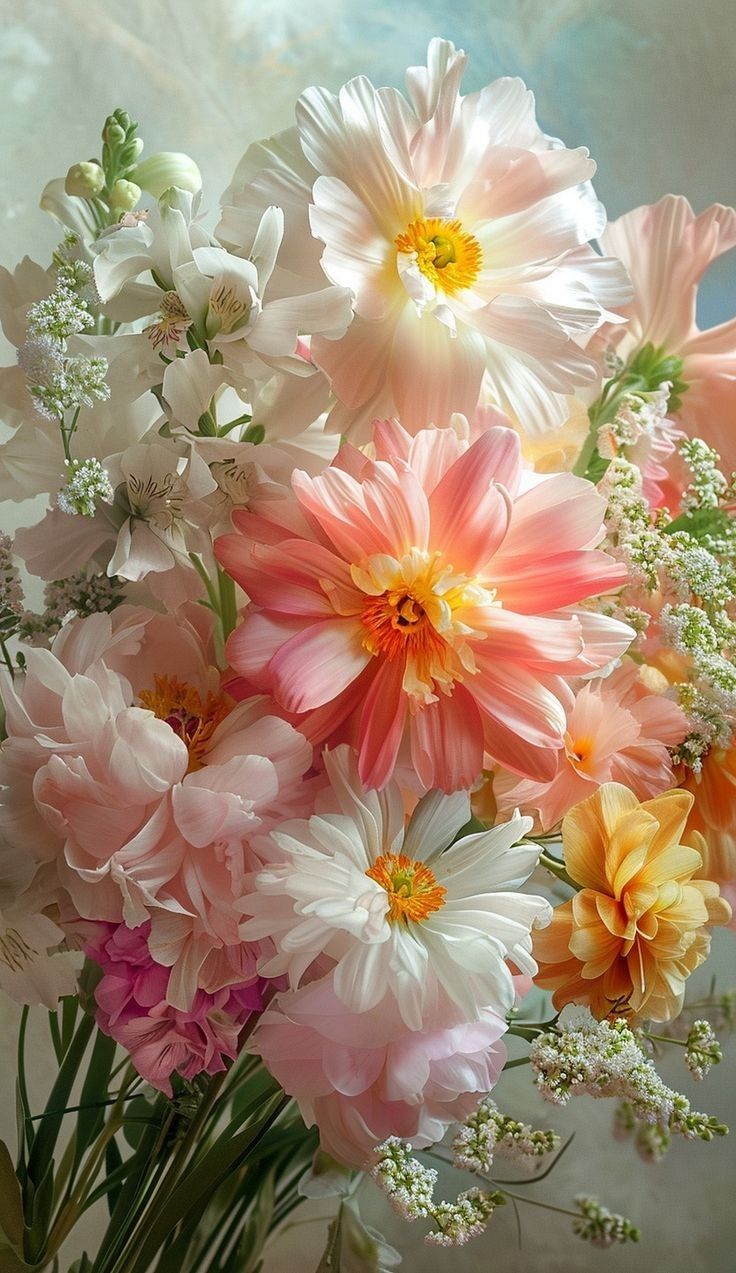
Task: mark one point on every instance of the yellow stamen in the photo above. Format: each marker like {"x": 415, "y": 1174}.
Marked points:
{"x": 448, "y": 256}
{"x": 413, "y": 891}
{"x": 193, "y": 718}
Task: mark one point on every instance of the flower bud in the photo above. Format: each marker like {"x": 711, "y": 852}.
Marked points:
{"x": 124, "y": 196}
{"x": 84, "y": 180}
{"x": 168, "y": 168}
{"x": 113, "y": 133}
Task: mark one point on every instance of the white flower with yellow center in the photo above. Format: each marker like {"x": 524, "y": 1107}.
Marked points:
{"x": 462, "y": 231}
{"x": 394, "y": 910}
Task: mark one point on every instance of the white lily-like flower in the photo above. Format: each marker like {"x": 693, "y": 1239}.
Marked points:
{"x": 392, "y": 908}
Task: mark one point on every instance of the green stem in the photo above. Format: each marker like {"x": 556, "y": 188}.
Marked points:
{"x": 534, "y": 1202}
{"x": 556, "y": 868}
{"x": 7, "y": 657}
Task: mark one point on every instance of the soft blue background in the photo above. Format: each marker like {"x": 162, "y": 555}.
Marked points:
{"x": 649, "y": 87}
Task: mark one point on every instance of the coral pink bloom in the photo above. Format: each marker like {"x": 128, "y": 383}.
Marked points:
{"x": 667, "y": 249}
{"x": 362, "y": 1076}
{"x": 421, "y": 598}
{"x": 617, "y": 731}
{"x": 132, "y": 1008}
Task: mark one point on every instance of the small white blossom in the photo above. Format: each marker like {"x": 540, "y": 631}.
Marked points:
{"x": 702, "y": 1050}
{"x": 487, "y": 1130}
{"x": 88, "y": 482}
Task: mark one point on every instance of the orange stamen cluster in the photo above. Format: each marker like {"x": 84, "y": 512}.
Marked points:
{"x": 398, "y": 625}
{"x": 413, "y": 891}
{"x": 193, "y": 718}
{"x": 448, "y": 256}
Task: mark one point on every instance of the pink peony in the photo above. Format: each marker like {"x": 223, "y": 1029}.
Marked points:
{"x": 162, "y": 1040}
{"x": 421, "y": 599}
{"x": 142, "y": 787}
{"x": 617, "y": 731}
{"x": 362, "y": 1076}
{"x": 667, "y": 249}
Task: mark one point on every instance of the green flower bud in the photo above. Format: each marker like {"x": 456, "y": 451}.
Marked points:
{"x": 84, "y": 180}
{"x": 124, "y": 196}
{"x": 113, "y": 133}
{"x": 168, "y": 168}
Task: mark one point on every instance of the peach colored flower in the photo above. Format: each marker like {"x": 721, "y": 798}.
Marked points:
{"x": 667, "y": 248}
{"x": 422, "y": 598}
{"x": 713, "y": 815}
{"x": 618, "y": 730}
{"x": 628, "y": 941}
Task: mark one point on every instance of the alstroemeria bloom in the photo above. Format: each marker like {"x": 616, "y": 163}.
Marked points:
{"x": 421, "y": 596}
{"x": 361, "y": 1076}
{"x": 635, "y": 932}
{"x": 396, "y": 911}
{"x": 667, "y": 250}
{"x": 460, "y": 227}
{"x": 618, "y": 730}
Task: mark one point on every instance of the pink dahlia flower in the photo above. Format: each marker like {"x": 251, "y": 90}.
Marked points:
{"x": 618, "y": 730}
{"x": 422, "y": 598}
{"x": 667, "y": 250}
{"x": 162, "y": 1040}
{"x": 362, "y": 1076}
{"x": 462, "y": 231}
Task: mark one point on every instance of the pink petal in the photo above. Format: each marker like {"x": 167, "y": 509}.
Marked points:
{"x": 318, "y": 663}
{"x": 382, "y": 725}
{"x": 469, "y": 514}
{"x": 447, "y": 742}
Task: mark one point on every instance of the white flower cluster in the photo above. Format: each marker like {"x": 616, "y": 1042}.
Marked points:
{"x": 583, "y": 1056}
{"x": 487, "y": 1131}
{"x": 59, "y": 382}
{"x": 702, "y": 1049}
{"x": 88, "y": 483}
{"x": 602, "y": 1227}
{"x": 687, "y": 583}
{"x": 409, "y": 1187}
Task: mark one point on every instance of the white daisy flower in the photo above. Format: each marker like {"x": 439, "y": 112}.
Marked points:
{"x": 392, "y": 908}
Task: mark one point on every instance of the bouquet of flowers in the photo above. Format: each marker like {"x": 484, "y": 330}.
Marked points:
{"x": 379, "y": 714}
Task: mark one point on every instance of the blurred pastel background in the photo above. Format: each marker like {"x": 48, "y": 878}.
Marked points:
{"x": 649, "y": 86}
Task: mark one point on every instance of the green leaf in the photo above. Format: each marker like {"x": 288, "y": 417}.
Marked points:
{"x": 90, "y": 1120}
{"x": 11, "y": 1201}
{"x": 113, "y": 1164}
{"x": 50, "y": 1124}
{"x": 41, "y": 1196}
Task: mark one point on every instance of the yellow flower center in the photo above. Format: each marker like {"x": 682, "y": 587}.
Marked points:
{"x": 445, "y": 254}
{"x": 193, "y": 718}
{"x": 580, "y": 751}
{"x": 413, "y": 610}
{"x": 413, "y": 891}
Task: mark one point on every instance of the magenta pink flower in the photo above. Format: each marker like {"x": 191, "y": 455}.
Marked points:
{"x": 362, "y": 1076}
{"x": 618, "y": 730}
{"x": 422, "y": 598}
{"x": 162, "y": 1040}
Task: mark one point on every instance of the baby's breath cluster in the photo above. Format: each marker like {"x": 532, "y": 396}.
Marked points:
{"x": 80, "y": 595}
{"x": 682, "y": 577}
{"x": 11, "y": 591}
{"x": 583, "y": 1056}
{"x": 88, "y": 482}
{"x": 487, "y": 1131}
{"x": 702, "y": 1049}
{"x": 60, "y": 382}
{"x": 601, "y": 1227}
{"x": 409, "y": 1187}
